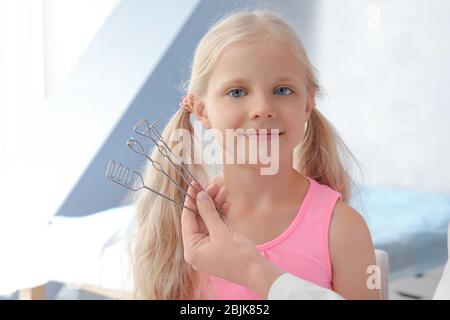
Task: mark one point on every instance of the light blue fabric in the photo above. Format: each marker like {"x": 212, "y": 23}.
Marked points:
{"x": 411, "y": 226}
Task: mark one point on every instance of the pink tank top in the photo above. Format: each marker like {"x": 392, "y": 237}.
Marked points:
{"x": 302, "y": 249}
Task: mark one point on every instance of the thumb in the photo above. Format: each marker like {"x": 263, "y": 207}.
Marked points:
{"x": 208, "y": 211}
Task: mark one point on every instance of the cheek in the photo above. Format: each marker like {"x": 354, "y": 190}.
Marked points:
{"x": 295, "y": 128}
{"x": 225, "y": 118}
{"x": 296, "y": 134}
{"x": 295, "y": 116}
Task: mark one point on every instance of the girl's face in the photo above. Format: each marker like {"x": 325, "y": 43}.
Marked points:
{"x": 258, "y": 85}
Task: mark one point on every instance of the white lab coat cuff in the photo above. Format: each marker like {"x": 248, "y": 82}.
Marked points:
{"x": 290, "y": 287}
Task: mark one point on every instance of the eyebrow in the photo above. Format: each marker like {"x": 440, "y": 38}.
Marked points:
{"x": 240, "y": 80}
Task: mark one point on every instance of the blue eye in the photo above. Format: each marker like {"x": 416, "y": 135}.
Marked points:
{"x": 283, "y": 90}
{"x": 234, "y": 90}
{"x": 238, "y": 91}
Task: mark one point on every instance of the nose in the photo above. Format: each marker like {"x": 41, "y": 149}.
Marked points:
{"x": 262, "y": 110}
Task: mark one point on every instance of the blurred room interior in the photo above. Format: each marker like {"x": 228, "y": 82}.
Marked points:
{"x": 77, "y": 75}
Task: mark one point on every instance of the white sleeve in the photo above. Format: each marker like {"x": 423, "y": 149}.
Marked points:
{"x": 443, "y": 288}
{"x": 290, "y": 287}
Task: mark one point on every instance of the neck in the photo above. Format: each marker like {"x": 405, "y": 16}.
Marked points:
{"x": 249, "y": 191}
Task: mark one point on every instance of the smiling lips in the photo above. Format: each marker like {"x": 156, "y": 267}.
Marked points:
{"x": 262, "y": 132}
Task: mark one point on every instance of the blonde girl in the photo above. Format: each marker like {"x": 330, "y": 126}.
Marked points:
{"x": 250, "y": 71}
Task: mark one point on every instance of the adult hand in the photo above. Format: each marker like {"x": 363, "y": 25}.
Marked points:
{"x": 210, "y": 246}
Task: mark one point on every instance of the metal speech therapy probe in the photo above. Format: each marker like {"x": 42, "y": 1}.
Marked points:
{"x": 133, "y": 180}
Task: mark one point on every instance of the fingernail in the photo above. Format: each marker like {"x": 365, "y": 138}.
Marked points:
{"x": 202, "y": 196}
{"x": 213, "y": 186}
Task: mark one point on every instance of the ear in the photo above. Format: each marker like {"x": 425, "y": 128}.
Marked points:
{"x": 199, "y": 109}
{"x": 310, "y": 105}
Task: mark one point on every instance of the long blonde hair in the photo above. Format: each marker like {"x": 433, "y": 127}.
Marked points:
{"x": 158, "y": 265}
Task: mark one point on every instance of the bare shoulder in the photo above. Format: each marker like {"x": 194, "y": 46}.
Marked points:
{"x": 347, "y": 224}
{"x": 351, "y": 253}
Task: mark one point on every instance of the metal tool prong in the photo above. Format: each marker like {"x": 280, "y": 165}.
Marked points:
{"x": 120, "y": 174}
{"x": 134, "y": 145}
{"x": 163, "y": 148}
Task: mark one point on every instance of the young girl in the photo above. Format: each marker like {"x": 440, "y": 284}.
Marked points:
{"x": 251, "y": 71}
